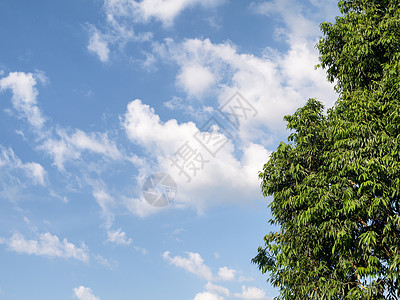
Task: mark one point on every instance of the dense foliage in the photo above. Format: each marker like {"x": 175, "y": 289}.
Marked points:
{"x": 336, "y": 184}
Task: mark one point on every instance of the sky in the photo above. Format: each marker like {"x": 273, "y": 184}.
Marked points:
{"x": 131, "y": 137}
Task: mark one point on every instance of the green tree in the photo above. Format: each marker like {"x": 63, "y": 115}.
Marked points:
{"x": 336, "y": 184}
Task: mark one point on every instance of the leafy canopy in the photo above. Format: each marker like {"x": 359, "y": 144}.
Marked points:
{"x": 336, "y": 183}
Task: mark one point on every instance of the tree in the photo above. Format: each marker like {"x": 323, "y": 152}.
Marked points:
{"x": 336, "y": 184}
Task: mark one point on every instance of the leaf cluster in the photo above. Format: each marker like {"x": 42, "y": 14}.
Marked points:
{"x": 336, "y": 182}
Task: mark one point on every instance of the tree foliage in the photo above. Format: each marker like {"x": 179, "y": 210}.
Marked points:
{"x": 336, "y": 183}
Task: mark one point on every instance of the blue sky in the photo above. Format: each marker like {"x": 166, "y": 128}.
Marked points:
{"x": 96, "y": 96}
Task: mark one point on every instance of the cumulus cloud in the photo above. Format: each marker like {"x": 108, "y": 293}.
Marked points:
{"x": 207, "y": 296}
{"x": 248, "y": 293}
{"x": 144, "y": 127}
{"x": 195, "y": 79}
{"x": 226, "y": 274}
{"x": 217, "y": 289}
{"x": 24, "y": 96}
{"x": 47, "y": 245}
{"x": 274, "y": 83}
{"x": 118, "y": 237}
{"x": 213, "y": 177}
{"x": 251, "y": 293}
{"x": 193, "y": 263}
{"x": 84, "y": 293}
{"x": 214, "y": 291}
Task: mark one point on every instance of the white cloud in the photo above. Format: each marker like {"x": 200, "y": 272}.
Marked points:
{"x": 162, "y": 10}
{"x": 225, "y": 273}
{"x": 32, "y": 170}
{"x": 93, "y": 142}
{"x": 217, "y": 289}
{"x": 24, "y": 96}
{"x": 123, "y": 15}
{"x": 106, "y": 203}
{"x": 142, "y": 250}
{"x": 143, "y": 126}
{"x": 69, "y": 146}
{"x": 207, "y": 296}
{"x": 195, "y": 79}
{"x": 276, "y": 83}
{"x": 36, "y": 171}
{"x": 47, "y": 245}
{"x": 149, "y": 63}
{"x": 193, "y": 263}
{"x": 98, "y": 45}
{"x": 262, "y": 8}
{"x": 60, "y": 151}
{"x": 139, "y": 206}
{"x": 62, "y": 145}
{"x": 116, "y": 33}
{"x": 215, "y": 181}
{"x": 84, "y": 293}
{"x": 197, "y": 113}
{"x": 301, "y": 22}
{"x": 251, "y": 293}
{"x": 245, "y": 279}
{"x": 298, "y": 26}
{"x": 248, "y": 293}
{"x": 118, "y": 237}
{"x": 105, "y": 262}
{"x": 41, "y": 76}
